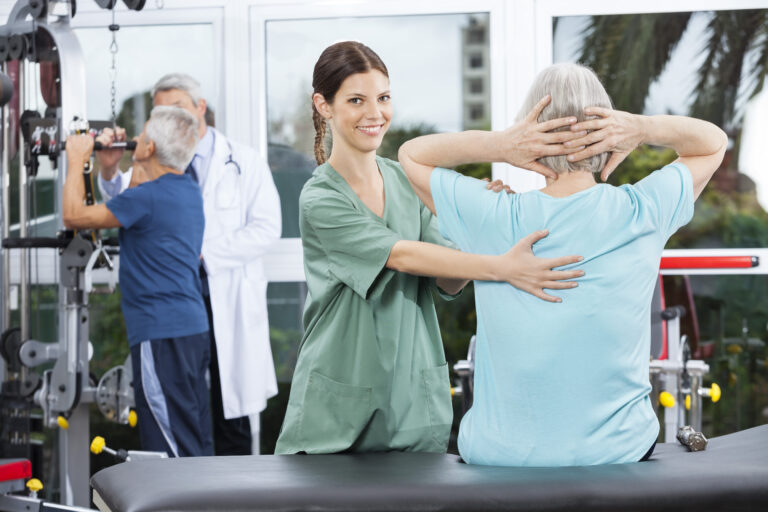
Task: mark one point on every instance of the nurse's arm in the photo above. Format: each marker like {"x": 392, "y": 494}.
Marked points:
{"x": 520, "y": 145}
{"x": 76, "y": 214}
{"x": 518, "y": 266}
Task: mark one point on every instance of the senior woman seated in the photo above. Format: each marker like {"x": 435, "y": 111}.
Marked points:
{"x": 560, "y": 384}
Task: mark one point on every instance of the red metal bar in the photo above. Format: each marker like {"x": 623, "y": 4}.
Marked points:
{"x": 14, "y": 469}
{"x": 678, "y": 262}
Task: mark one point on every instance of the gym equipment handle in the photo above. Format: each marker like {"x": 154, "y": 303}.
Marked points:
{"x": 130, "y": 145}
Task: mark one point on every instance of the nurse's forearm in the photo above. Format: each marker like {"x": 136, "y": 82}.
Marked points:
{"x": 425, "y": 259}
{"x": 518, "y": 266}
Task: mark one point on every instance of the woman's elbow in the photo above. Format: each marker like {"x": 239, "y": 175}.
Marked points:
{"x": 398, "y": 258}
{"x": 723, "y": 137}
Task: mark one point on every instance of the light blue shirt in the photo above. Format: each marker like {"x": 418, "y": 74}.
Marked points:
{"x": 565, "y": 384}
{"x": 111, "y": 188}
{"x": 203, "y": 155}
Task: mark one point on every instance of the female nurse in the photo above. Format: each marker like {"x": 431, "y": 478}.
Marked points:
{"x": 371, "y": 373}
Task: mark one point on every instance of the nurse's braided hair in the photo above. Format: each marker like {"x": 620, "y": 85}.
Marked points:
{"x": 335, "y": 64}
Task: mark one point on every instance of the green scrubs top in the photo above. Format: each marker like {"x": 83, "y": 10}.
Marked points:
{"x": 371, "y": 372}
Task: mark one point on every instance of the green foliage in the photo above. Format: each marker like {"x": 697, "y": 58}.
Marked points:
{"x": 107, "y": 332}
{"x": 479, "y": 170}
{"x": 640, "y": 163}
{"x": 732, "y": 34}
{"x": 629, "y": 52}
{"x": 396, "y": 136}
{"x": 285, "y": 349}
{"x": 458, "y": 321}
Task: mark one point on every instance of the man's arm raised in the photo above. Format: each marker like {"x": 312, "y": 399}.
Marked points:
{"x": 75, "y": 214}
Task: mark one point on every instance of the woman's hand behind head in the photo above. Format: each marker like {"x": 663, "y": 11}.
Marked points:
{"x": 528, "y": 140}
{"x": 613, "y": 131}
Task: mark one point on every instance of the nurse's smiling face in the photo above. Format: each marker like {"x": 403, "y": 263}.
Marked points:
{"x": 360, "y": 113}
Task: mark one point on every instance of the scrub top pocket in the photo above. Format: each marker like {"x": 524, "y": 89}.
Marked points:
{"x": 437, "y": 388}
{"x": 336, "y": 432}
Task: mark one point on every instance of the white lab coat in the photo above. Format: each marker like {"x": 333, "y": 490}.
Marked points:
{"x": 242, "y": 219}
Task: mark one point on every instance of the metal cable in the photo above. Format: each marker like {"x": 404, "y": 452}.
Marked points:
{"x": 114, "y": 27}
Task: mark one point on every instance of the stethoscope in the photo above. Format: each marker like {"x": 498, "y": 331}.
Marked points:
{"x": 231, "y": 160}
{"x": 230, "y": 163}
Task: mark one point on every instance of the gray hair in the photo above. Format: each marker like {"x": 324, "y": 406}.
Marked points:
{"x": 181, "y": 82}
{"x": 174, "y": 132}
{"x": 573, "y": 87}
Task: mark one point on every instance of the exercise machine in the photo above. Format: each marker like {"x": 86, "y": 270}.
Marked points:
{"x": 39, "y": 49}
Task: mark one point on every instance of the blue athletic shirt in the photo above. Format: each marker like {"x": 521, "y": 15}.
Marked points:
{"x": 562, "y": 384}
{"x": 160, "y": 243}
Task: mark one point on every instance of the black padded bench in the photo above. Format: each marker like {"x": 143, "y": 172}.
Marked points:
{"x": 731, "y": 475}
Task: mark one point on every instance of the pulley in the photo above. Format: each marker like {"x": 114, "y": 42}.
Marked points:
{"x": 114, "y": 393}
{"x": 38, "y": 8}
{"x": 4, "y": 49}
{"x": 135, "y": 5}
{"x": 17, "y": 47}
{"x": 10, "y": 343}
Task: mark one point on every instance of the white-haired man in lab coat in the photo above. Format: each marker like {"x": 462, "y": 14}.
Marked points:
{"x": 242, "y": 219}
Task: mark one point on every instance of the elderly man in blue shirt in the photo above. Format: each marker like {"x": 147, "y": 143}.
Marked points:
{"x": 161, "y": 232}
{"x": 243, "y": 219}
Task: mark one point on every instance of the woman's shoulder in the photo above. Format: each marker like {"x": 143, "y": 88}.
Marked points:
{"x": 320, "y": 190}
{"x": 393, "y": 169}
{"x": 317, "y": 184}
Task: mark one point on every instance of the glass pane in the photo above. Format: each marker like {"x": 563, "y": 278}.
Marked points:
{"x": 690, "y": 64}
{"x": 189, "y": 49}
{"x": 285, "y": 304}
{"x": 451, "y": 94}
{"x": 727, "y": 326}
{"x": 145, "y": 53}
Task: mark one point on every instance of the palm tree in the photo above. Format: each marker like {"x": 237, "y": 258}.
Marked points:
{"x": 629, "y": 52}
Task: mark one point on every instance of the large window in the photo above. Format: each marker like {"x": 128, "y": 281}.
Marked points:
{"x": 427, "y": 85}
{"x": 428, "y": 93}
{"x": 434, "y": 88}
{"x": 689, "y": 64}
{"x": 705, "y": 64}
{"x": 144, "y": 54}
{"x": 726, "y": 322}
